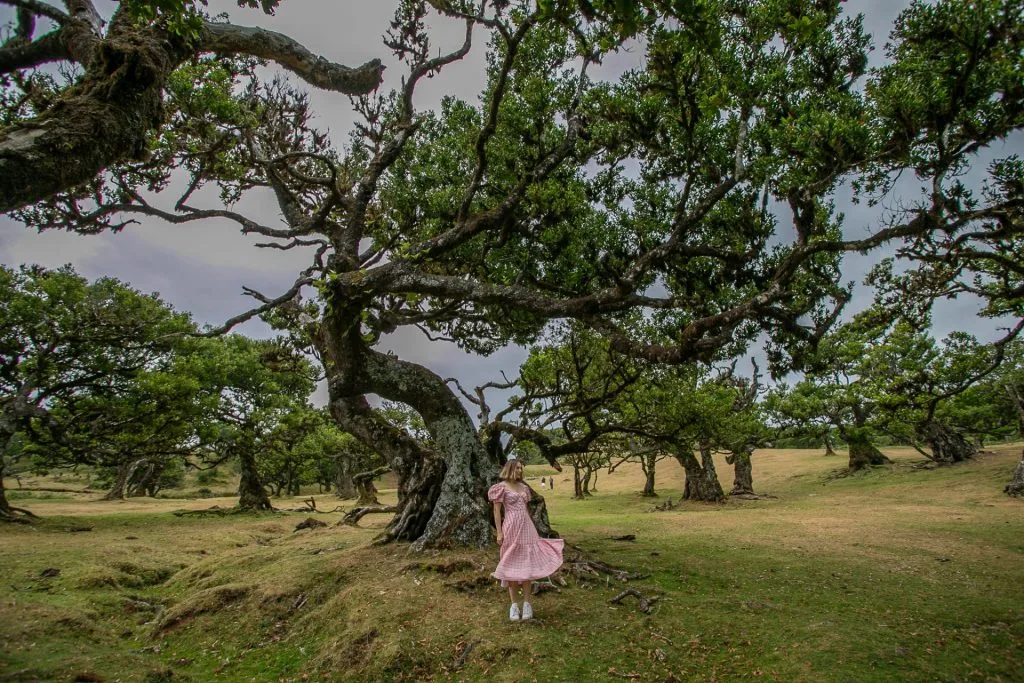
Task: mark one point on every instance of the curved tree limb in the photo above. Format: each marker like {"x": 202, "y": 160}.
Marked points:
{"x": 292, "y": 55}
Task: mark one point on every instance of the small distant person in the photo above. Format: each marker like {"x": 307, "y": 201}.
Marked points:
{"x": 525, "y": 556}
{"x": 551, "y": 483}
{"x": 542, "y": 482}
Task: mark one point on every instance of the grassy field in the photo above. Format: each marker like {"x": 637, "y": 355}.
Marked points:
{"x": 902, "y": 573}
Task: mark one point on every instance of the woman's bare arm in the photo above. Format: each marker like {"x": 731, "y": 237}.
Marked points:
{"x": 497, "y": 521}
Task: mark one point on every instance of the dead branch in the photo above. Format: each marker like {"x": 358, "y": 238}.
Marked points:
{"x": 646, "y": 604}
{"x": 353, "y": 516}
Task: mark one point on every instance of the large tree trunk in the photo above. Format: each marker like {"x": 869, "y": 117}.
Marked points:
{"x": 364, "y": 485}
{"x": 948, "y": 446}
{"x": 743, "y": 479}
{"x": 122, "y": 482}
{"x": 829, "y": 451}
{"x": 577, "y": 482}
{"x": 1014, "y": 488}
{"x": 251, "y": 494}
{"x": 344, "y": 487}
{"x": 862, "y": 453}
{"x": 701, "y": 478}
{"x": 462, "y": 514}
{"x": 648, "y": 464}
{"x": 539, "y": 514}
{"x": 419, "y": 471}
{"x": 8, "y": 513}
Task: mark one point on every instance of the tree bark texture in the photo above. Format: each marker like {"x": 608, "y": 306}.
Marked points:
{"x": 8, "y": 513}
{"x": 648, "y": 464}
{"x": 460, "y": 513}
{"x": 743, "y": 477}
{"x": 364, "y": 486}
{"x": 863, "y": 453}
{"x": 1016, "y": 485}
{"x": 948, "y": 445}
{"x": 109, "y": 115}
{"x": 539, "y": 514}
{"x": 251, "y": 494}
{"x": 125, "y": 471}
{"x": 344, "y": 487}
{"x": 701, "y": 478}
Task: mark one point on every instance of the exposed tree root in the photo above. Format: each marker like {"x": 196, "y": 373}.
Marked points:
{"x": 667, "y": 505}
{"x": 646, "y": 604}
{"x": 15, "y": 515}
{"x": 582, "y": 569}
{"x": 353, "y": 516}
{"x": 753, "y": 496}
{"x": 217, "y": 511}
{"x": 627, "y": 537}
{"x": 309, "y": 523}
{"x": 310, "y": 506}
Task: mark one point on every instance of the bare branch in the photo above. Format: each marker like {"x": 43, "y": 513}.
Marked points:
{"x": 39, "y": 8}
{"x": 277, "y": 47}
{"x": 49, "y": 48}
{"x": 268, "y": 304}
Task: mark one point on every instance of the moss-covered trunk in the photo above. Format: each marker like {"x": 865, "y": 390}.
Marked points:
{"x": 8, "y": 513}
{"x": 648, "y": 463}
{"x": 344, "y": 487}
{"x": 701, "y": 478}
{"x": 251, "y": 494}
{"x": 104, "y": 119}
{"x": 863, "y": 453}
{"x": 1016, "y": 485}
{"x": 948, "y": 445}
{"x": 743, "y": 472}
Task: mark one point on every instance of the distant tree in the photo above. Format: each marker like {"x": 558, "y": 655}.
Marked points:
{"x": 66, "y": 342}
{"x": 250, "y": 388}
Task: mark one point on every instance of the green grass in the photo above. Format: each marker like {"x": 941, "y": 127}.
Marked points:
{"x": 901, "y": 573}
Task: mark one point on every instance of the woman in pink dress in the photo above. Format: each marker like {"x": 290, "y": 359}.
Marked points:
{"x": 525, "y": 556}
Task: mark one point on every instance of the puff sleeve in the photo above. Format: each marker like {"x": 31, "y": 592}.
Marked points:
{"x": 496, "y": 494}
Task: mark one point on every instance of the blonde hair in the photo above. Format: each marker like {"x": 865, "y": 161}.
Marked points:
{"x": 510, "y": 473}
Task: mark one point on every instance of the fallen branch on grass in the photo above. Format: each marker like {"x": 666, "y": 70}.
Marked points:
{"x": 582, "y": 567}
{"x": 646, "y": 604}
{"x": 353, "y": 516}
{"x": 310, "y": 506}
{"x": 667, "y": 505}
{"x": 753, "y": 496}
{"x": 460, "y": 661}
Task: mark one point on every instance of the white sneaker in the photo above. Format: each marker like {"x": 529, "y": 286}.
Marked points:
{"x": 527, "y": 611}
{"x": 513, "y": 612}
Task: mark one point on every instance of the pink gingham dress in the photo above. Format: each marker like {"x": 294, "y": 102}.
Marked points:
{"x": 525, "y": 556}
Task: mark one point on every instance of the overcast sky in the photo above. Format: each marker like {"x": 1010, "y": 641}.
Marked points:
{"x": 202, "y": 267}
